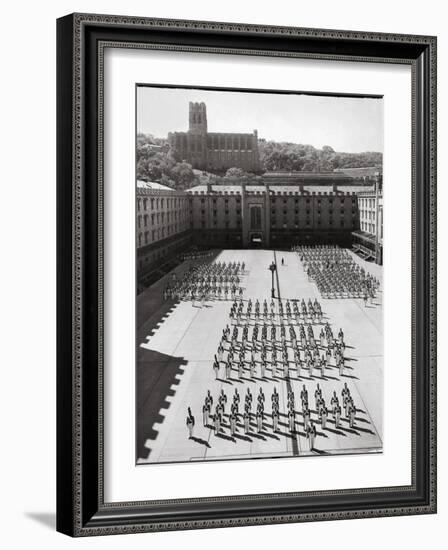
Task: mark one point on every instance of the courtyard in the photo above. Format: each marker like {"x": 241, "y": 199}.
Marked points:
{"x": 176, "y": 344}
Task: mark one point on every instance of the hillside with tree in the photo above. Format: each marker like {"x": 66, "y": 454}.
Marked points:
{"x": 291, "y": 157}
{"x": 156, "y": 161}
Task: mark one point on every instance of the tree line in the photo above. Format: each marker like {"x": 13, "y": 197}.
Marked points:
{"x": 156, "y": 161}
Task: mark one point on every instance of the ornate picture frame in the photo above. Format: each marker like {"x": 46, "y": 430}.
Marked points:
{"x": 81, "y": 506}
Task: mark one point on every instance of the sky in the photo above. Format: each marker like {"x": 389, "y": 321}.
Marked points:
{"x": 347, "y": 124}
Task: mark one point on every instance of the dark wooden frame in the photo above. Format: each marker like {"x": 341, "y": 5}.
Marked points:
{"x": 81, "y": 39}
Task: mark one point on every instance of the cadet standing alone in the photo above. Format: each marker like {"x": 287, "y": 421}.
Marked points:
{"x": 190, "y": 423}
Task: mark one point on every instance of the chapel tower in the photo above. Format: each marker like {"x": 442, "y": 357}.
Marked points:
{"x": 198, "y": 118}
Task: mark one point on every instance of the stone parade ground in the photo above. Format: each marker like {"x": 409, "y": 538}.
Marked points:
{"x": 176, "y": 344}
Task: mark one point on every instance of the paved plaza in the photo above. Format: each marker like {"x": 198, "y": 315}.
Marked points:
{"x": 176, "y": 344}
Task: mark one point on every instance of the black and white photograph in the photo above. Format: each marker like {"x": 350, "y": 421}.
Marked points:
{"x": 259, "y": 274}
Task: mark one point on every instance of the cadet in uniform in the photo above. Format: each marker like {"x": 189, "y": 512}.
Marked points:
{"x": 311, "y": 434}
{"x": 275, "y": 417}
{"x": 190, "y": 423}
{"x": 205, "y": 413}
{"x": 306, "y": 416}
{"x": 216, "y": 369}
{"x": 351, "y": 414}
{"x": 246, "y": 421}
{"x": 323, "y": 417}
{"x": 252, "y": 368}
{"x": 222, "y": 400}
{"x": 292, "y": 420}
{"x": 217, "y": 421}
{"x": 304, "y": 396}
{"x": 232, "y": 420}
{"x": 240, "y": 367}
{"x": 228, "y": 368}
{"x": 263, "y": 367}
{"x": 209, "y": 398}
{"x": 334, "y": 401}
{"x": 337, "y": 415}
{"x": 274, "y": 362}
{"x": 317, "y": 395}
{"x": 259, "y": 420}
{"x": 323, "y": 364}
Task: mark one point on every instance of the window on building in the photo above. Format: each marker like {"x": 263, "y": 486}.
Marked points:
{"x": 145, "y": 204}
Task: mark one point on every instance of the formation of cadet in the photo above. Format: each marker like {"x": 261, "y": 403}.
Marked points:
{"x": 280, "y": 311}
{"x": 268, "y": 343}
{"x": 196, "y": 255}
{"x": 336, "y": 274}
{"x": 207, "y": 281}
{"x": 276, "y": 340}
{"x": 230, "y": 414}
